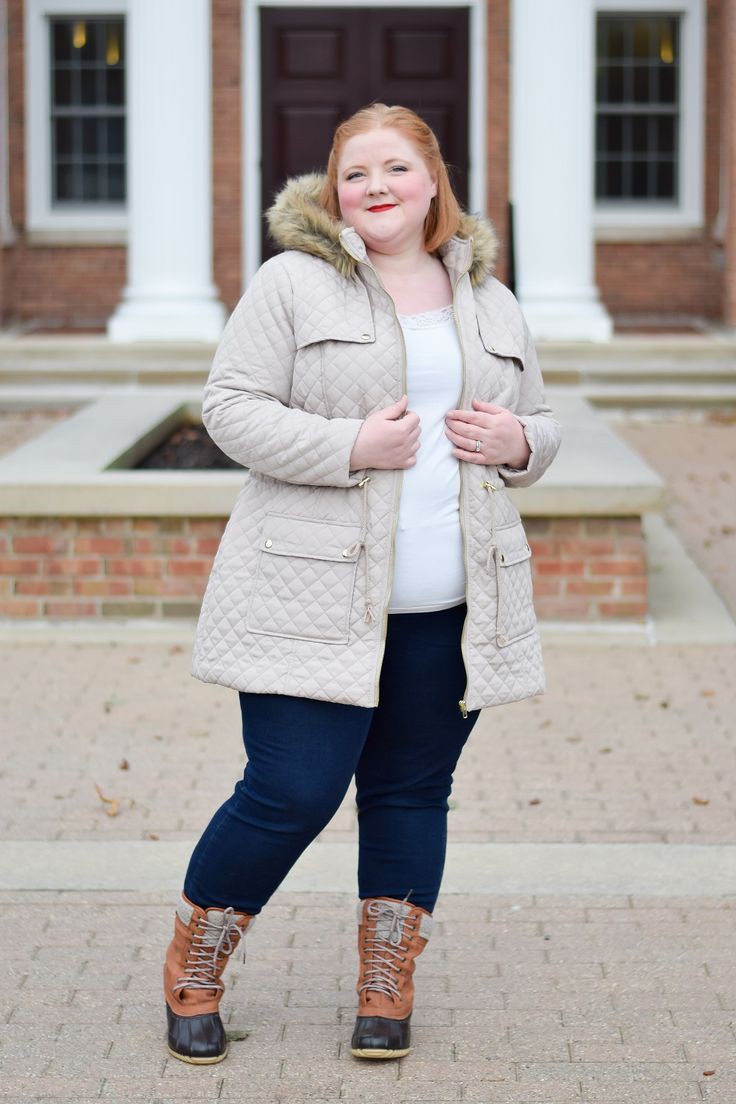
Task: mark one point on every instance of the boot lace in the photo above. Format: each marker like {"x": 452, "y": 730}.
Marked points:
{"x": 384, "y": 939}
{"x": 210, "y": 941}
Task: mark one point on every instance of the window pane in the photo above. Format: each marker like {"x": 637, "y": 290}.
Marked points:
{"x": 62, "y": 86}
{"x": 641, "y": 85}
{"x": 115, "y": 136}
{"x": 665, "y": 180}
{"x": 611, "y": 38}
{"x": 667, "y": 84}
{"x": 640, "y": 133}
{"x": 616, "y": 84}
{"x": 639, "y": 179}
{"x": 89, "y": 86}
{"x": 116, "y": 180}
{"x": 87, "y": 108}
{"x": 641, "y": 38}
{"x": 115, "y": 88}
{"x": 664, "y": 134}
{"x": 637, "y": 105}
{"x": 64, "y": 137}
{"x": 90, "y": 181}
{"x": 61, "y": 42}
{"x": 86, "y": 37}
{"x": 64, "y": 180}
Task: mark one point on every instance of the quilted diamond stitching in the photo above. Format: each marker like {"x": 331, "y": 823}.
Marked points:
{"x": 291, "y": 417}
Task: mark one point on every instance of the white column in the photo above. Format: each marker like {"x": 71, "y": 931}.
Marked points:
{"x": 170, "y": 294}
{"x": 552, "y": 131}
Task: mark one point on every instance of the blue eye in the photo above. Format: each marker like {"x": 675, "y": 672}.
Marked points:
{"x": 401, "y": 168}
{"x": 352, "y": 175}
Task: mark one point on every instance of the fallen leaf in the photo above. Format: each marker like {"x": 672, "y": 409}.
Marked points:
{"x": 642, "y": 697}
{"x": 175, "y": 649}
{"x": 123, "y": 765}
{"x": 545, "y": 724}
{"x": 573, "y": 739}
{"x": 701, "y": 801}
{"x": 664, "y": 704}
{"x": 152, "y": 835}
{"x": 707, "y": 693}
{"x": 535, "y": 801}
{"x": 235, "y": 1035}
{"x": 708, "y": 1073}
{"x": 112, "y": 804}
{"x": 728, "y": 530}
{"x": 604, "y": 750}
{"x": 134, "y": 659}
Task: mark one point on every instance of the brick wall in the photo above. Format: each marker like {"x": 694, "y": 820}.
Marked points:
{"x": 584, "y": 568}
{"x": 227, "y": 161}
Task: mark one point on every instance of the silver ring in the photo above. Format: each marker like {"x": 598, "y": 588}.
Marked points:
{"x": 477, "y": 446}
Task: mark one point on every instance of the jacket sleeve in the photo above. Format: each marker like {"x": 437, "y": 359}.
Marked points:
{"x": 541, "y": 428}
{"x": 245, "y": 406}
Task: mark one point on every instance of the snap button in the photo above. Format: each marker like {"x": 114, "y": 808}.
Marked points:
{"x": 268, "y": 543}
{"x": 345, "y": 552}
{"x": 365, "y": 337}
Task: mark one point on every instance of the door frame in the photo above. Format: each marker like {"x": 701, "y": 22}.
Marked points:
{"x": 251, "y": 107}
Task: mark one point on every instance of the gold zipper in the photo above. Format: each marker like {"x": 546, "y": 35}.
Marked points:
{"x": 463, "y": 703}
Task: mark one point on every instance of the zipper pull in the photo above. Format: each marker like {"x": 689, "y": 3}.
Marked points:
{"x": 488, "y": 486}
{"x": 463, "y": 707}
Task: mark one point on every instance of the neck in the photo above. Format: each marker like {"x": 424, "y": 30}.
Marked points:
{"x": 405, "y": 263}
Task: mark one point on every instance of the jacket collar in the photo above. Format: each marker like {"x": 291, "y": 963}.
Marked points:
{"x": 297, "y": 221}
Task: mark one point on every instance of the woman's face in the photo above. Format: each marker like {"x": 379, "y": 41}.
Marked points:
{"x": 384, "y": 189}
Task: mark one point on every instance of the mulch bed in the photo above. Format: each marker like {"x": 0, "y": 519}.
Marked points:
{"x": 189, "y": 447}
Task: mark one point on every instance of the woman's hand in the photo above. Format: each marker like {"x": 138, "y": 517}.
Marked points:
{"x": 389, "y": 438}
{"x": 501, "y": 435}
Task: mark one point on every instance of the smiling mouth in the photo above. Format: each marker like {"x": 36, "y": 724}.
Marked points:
{"x": 383, "y": 207}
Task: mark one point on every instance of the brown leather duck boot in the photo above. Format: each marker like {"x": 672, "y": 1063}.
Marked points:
{"x": 391, "y": 933}
{"x": 203, "y": 941}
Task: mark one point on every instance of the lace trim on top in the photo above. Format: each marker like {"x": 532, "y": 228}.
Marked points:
{"x": 427, "y": 319}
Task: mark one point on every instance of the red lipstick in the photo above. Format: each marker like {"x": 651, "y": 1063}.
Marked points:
{"x": 382, "y": 207}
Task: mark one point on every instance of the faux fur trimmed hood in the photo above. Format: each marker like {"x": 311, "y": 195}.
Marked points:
{"x": 297, "y": 221}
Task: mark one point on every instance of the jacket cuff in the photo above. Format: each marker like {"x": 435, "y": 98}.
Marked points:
{"x": 522, "y": 477}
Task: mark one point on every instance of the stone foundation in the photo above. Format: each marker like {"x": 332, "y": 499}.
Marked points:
{"x": 584, "y": 568}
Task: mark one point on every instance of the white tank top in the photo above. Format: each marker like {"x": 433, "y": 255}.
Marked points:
{"x": 429, "y": 567}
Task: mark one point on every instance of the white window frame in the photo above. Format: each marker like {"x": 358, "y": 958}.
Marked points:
{"x": 648, "y": 220}
{"x": 251, "y": 114}
{"x": 78, "y": 223}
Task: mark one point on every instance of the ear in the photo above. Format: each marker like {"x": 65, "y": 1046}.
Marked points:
{"x": 434, "y": 186}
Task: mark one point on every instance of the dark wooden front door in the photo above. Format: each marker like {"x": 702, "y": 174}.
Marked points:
{"x": 319, "y": 65}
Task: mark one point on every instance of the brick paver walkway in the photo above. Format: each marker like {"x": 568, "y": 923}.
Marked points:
{"x": 523, "y": 999}
{"x": 698, "y": 461}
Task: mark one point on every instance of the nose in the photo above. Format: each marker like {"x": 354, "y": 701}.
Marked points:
{"x": 376, "y": 184}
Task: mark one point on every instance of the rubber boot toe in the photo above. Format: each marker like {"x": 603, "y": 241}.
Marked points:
{"x": 380, "y": 1037}
{"x": 200, "y": 1040}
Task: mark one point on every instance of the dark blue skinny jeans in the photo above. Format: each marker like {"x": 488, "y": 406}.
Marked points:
{"x": 302, "y": 754}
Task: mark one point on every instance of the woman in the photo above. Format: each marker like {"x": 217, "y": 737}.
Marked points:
{"x": 372, "y": 589}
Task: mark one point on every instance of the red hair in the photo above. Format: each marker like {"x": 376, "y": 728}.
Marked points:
{"x": 443, "y": 217}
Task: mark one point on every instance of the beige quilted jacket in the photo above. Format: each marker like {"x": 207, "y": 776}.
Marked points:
{"x": 296, "y": 602}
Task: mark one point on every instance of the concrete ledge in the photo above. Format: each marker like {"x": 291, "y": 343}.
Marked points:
{"x": 654, "y": 869}
{"x": 66, "y": 471}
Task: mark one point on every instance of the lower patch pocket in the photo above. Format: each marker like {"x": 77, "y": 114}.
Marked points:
{"x": 305, "y": 578}
{"x": 511, "y": 555}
